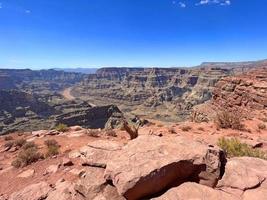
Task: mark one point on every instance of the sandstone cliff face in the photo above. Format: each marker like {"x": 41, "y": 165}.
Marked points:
{"x": 242, "y": 93}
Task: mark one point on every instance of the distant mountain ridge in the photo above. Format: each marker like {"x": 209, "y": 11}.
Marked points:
{"x": 78, "y": 70}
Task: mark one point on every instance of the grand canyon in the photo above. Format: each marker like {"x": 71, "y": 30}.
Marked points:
{"x": 135, "y": 133}
{"x": 133, "y": 100}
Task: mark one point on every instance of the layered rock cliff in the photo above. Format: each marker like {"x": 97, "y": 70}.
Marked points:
{"x": 168, "y": 93}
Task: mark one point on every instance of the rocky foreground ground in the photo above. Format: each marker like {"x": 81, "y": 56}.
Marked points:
{"x": 166, "y": 161}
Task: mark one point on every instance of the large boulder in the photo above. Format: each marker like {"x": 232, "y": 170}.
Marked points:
{"x": 98, "y": 153}
{"x": 194, "y": 191}
{"x": 93, "y": 186}
{"x": 247, "y": 176}
{"x": 150, "y": 164}
{"x": 32, "y": 192}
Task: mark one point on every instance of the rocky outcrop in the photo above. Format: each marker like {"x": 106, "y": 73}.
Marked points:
{"x": 245, "y": 176}
{"x": 21, "y": 111}
{"x": 32, "y": 192}
{"x": 244, "y": 92}
{"x": 143, "y": 163}
{"x": 195, "y": 191}
{"x": 240, "y": 94}
{"x": 37, "y": 80}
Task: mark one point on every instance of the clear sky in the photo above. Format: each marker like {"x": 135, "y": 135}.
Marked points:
{"x": 96, "y": 33}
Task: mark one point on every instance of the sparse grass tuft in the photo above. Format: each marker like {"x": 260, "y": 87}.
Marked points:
{"x": 186, "y": 128}
{"x": 226, "y": 120}
{"x": 62, "y": 128}
{"x": 52, "y": 148}
{"x": 234, "y": 148}
{"x": 26, "y": 157}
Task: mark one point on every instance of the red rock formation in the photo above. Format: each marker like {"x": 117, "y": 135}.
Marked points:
{"x": 242, "y": 93}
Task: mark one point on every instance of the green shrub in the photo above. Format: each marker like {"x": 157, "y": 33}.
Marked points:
{"x": 26, "y": 157}
{"x": 226, "y": 119}
{"x": 234, "y": 148}
{"x": 62, "y": 128}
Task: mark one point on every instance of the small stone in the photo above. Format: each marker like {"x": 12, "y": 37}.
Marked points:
{"x": 52, "y": 169}
{"x": 67, "y": 162}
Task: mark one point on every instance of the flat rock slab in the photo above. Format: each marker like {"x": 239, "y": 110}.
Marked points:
{"x": 32, "y": 192}
{"x": 93, "y": 186}
{"x": 98, "y": 153}
{"x": 194, "y": 191}
{"x": 149, "y": 164}
{"x": 26, "y": 174}
{"x": 244, "y": 173}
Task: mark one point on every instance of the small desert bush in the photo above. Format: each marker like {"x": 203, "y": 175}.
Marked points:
{"x": 186, "y": 128}
{"x": 226, "y": 119}
{"x": 111, "y": 133}
{"x": 29, "y": 145}
{"x": 93, "y": 132}
{"x": 261, "y": 126}
{"x": 62, "y": 128}
{"x": 26, "y": 157}
{"x": 234, "y": 148}
{"x": 19, "y": 142}
{"x": 8, "y": 138}
{"x": 160, "y": 125}
{"x": 52, "y": 148}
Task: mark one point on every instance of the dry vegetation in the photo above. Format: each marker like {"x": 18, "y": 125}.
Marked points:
{"x": 234, "y": 148}
{"x": 226, "y": 119}
{"x": 28, "y": 154}
{"x": 62, "y": 128}
{"x": 52, "y": 148}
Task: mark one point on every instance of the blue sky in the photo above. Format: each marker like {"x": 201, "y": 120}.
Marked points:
{"x": 164, "y": 33}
